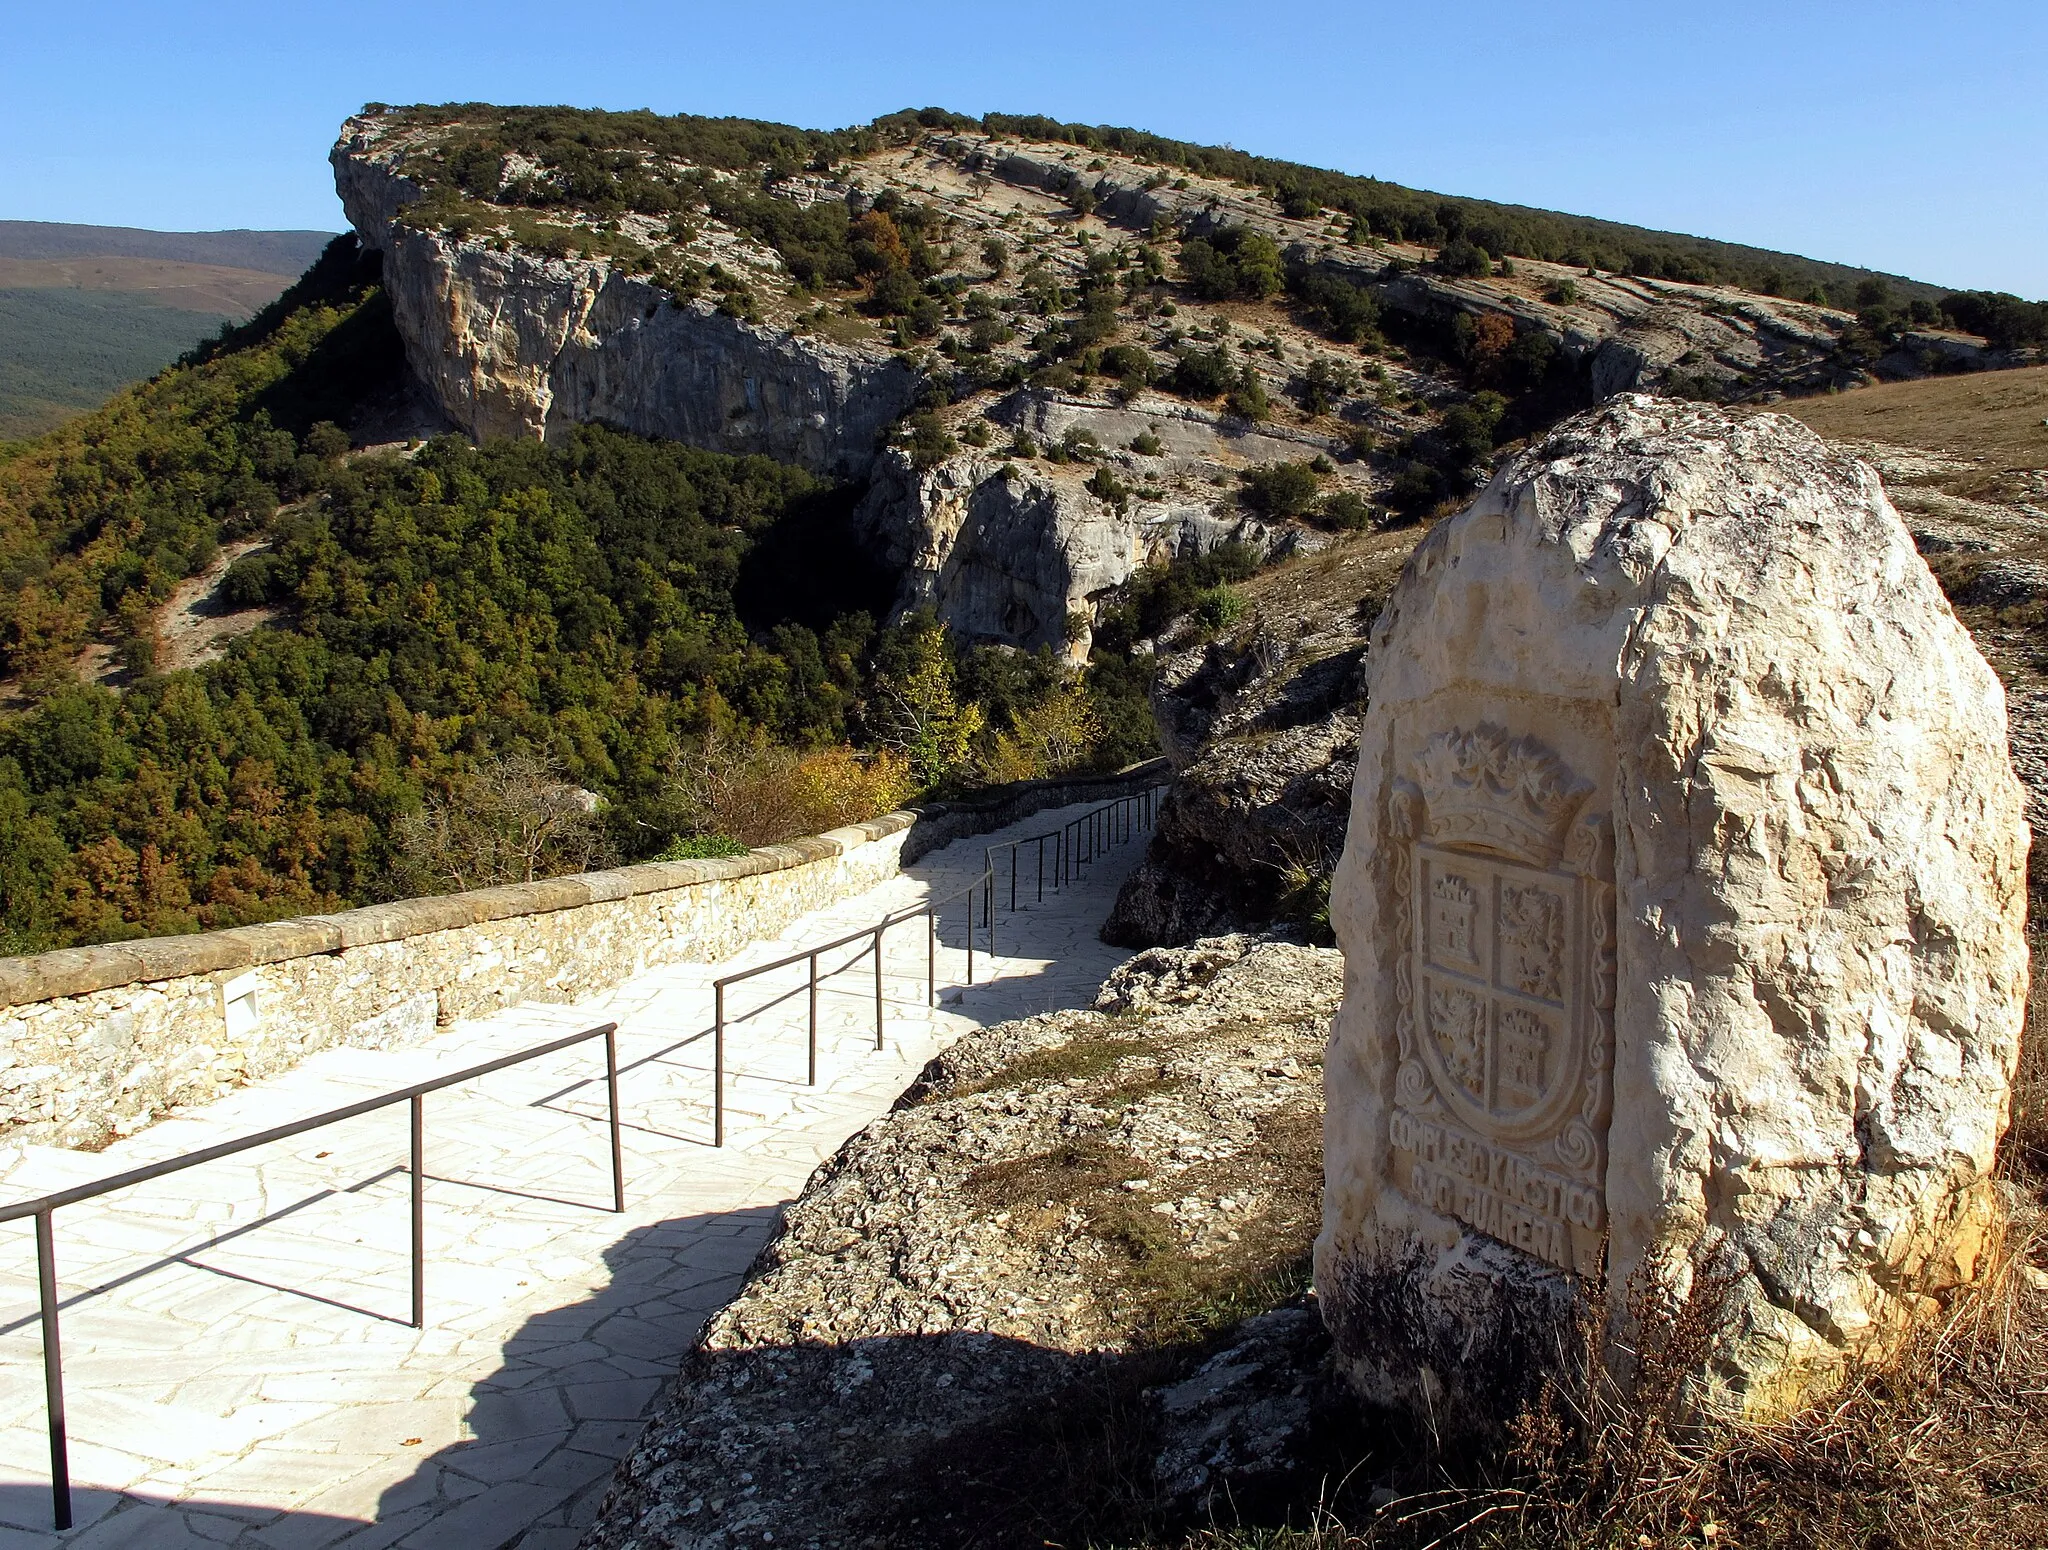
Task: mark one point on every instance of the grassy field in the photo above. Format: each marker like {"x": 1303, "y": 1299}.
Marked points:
{"x": 219, "y": 290}
{"x": 1999, "y": 416}
{"x": 85, "y": 310}
{"x": 64, "y": 351}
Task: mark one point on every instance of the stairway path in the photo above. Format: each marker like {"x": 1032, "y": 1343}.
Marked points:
{"x": 239, "y": 1364}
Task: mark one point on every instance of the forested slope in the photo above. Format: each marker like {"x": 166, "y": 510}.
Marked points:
{"x": 637, "y": 643}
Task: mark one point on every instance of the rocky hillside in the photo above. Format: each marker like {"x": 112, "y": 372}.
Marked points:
{"x": 987, "y": 1320}
{"x": 1259, "y": 717}
{"x": 1054, "y": 360}
{"x": 1260, "y": 721}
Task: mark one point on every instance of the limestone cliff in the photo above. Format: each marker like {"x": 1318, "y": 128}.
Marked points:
{"x": 1006, "y": 552}
{"x": 1261, "y": 724}
{"x": 512, "y": 342}
{"x": 544, "y": 275}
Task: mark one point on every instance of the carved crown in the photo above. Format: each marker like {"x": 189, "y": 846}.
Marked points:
{"x": 1510, "y": 794}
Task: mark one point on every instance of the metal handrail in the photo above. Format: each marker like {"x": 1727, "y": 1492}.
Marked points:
{"x": 872, "y": 935}
{"x": 44, "y": 1207}
{"x": 1079, "y": 840}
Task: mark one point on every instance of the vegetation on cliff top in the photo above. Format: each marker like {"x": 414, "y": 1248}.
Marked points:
{"x": 595, "y": 161}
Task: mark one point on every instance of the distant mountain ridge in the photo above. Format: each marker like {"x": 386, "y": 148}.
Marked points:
{"x": 286, "y": 253}
{"x": 86, "y": 310}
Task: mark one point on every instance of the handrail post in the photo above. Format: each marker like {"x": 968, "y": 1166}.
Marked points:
{"x": 611, "y": 1087}
{"x": 988, "y": 914}
{"x": 931, "y": 958}
{"x": 812, "y": 1078}
{"x": 1041, "y": 869}
{"x": 718, "y": 1065}
{"x": 419, "y": 1211}
{"x": 878, "y": 985}
{"x": 53, "y": 1371}
{"x": 970, "y": 936}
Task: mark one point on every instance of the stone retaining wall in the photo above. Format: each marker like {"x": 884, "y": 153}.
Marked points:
{"x": 941, "y": 823}
{"x": 97, "y": 1041}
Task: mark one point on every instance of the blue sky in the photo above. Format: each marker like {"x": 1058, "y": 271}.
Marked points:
{"x": 1912, "y": 138}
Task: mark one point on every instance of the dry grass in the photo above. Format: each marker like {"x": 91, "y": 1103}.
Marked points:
{"x": 1081, "y": 1059}
{"x": 1995, "y": 416}
{"x": 1943, "y": 1446}
{"x": 208, "y": 288}
{"x": 1079, "y": 1465}
{"x": 2024, "y": 1155}
{"x": 1164, "y": 1295}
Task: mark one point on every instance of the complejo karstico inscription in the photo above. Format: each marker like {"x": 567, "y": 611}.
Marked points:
{"x": 1504, "y": 987}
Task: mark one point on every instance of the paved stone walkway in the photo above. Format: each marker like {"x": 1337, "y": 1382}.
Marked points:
{"x": 239, "y": 1364}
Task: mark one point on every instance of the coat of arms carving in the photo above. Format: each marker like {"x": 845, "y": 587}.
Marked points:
{"x": 1504, "y": 989}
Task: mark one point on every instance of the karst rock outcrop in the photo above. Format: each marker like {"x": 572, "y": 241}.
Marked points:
{"x": 509, "y": 341}
{"x": 1079, "y": 406}
{"x": 1682, "y": 901}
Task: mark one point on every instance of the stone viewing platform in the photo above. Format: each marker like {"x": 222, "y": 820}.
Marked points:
{"x": 237, "y": 1355}
{"x": 95, "y": 1042}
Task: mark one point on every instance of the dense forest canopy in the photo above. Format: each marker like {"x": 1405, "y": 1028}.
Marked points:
{"x": 684, "y": 644}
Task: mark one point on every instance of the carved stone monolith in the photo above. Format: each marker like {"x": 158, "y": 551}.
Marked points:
{"x": 1683, "y": 905}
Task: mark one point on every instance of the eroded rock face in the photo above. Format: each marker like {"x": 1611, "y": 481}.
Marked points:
{"x": 1632, "y": 334}
{"x": 1683, "y": 905}
{"x": 1021, "y": 552}
{"x": 1262, "y": 729}
{"x": 511, "y": 342}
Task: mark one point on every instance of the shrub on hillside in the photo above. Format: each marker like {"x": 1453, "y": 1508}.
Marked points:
{"x": 1279, "y": 489}
{"x": 1325, "y": 383}
{"x": 1344, "y": 311}
{"x": 742, "y": 789}
{"x": 1461, "y": 256}
{"x": 1232, "y": 263}
{"x": 1203, "y": 374}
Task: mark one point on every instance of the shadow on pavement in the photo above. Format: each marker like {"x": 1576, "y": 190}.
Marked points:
{"x": 549, "y": 1425}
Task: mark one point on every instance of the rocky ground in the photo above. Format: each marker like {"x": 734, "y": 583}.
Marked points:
{"x": 993, "y": 1318}
{"x": 1260, "y": 722}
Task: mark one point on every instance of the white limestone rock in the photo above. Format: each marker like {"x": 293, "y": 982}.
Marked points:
{"x": 1000, "y": 552}
{"x": 516, "y": 343}
{"x": 1683, "y": 903}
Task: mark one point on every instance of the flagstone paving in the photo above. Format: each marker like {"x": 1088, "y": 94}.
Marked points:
{"x": 239, "y": 1363}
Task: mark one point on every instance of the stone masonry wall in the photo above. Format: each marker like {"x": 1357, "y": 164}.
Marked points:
{"x": 97, "y": 1041}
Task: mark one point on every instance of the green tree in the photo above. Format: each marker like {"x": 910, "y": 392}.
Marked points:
{"x": 1280, "y": 489}
{"x": 914, "y": 712}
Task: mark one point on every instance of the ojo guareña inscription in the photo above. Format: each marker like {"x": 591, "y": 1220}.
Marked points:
{"x": 1682, "y": 906}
